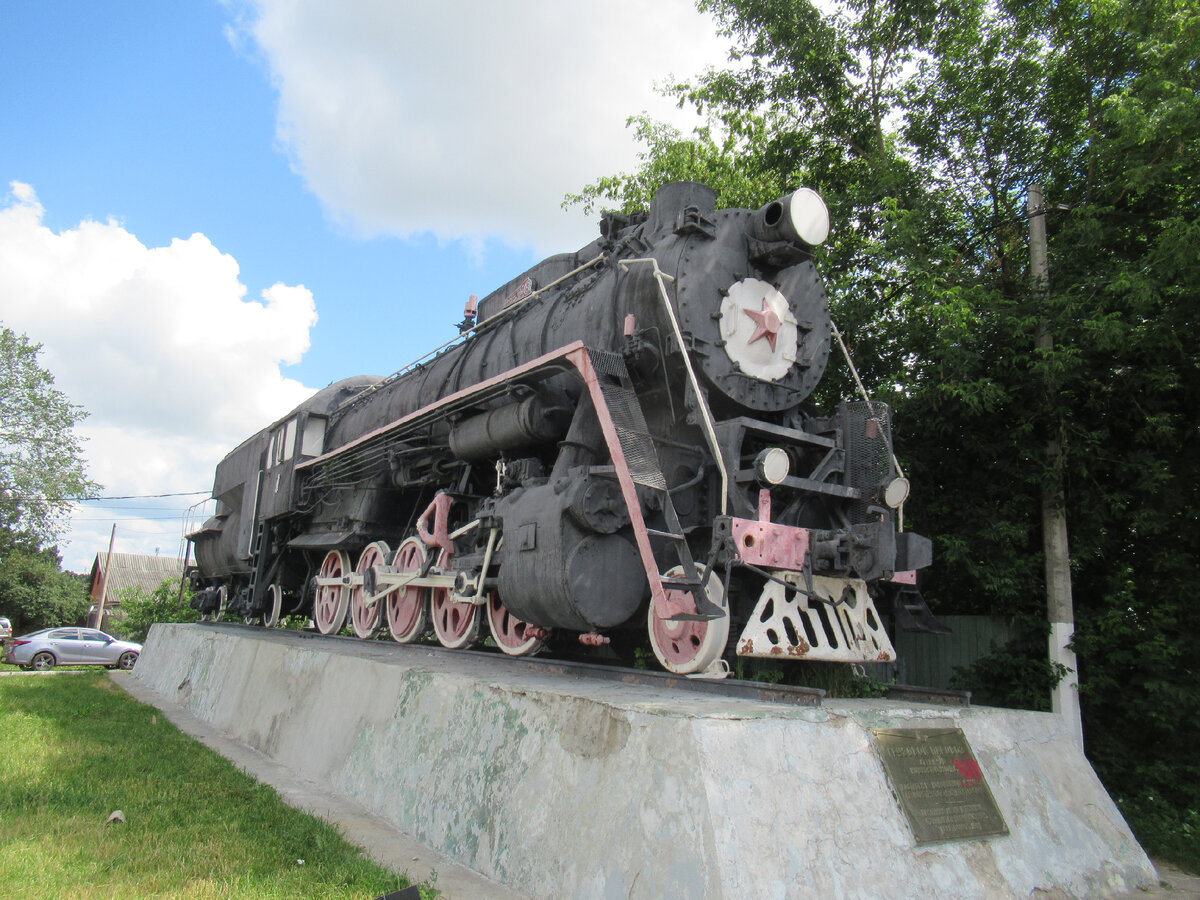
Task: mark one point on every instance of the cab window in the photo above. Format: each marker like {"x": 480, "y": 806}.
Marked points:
{"x": 314, "y": 437}
{"x": 289, "y": 439}
{"x": 283, "y": 443}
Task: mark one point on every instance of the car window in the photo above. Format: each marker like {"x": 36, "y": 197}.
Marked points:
{"x": 64, "y": 634}
{"x": 90, "y": 635}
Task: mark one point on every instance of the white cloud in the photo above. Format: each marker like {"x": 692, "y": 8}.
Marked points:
{"x": 465, "y": 118}
{"x": 161, "y": 346}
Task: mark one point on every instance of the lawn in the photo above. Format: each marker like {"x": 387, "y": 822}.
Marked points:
{"x": 73, "y": 749}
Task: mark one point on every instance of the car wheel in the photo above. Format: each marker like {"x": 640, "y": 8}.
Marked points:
{"x": 128, "y": 658}
{"x": 42, "y": 661}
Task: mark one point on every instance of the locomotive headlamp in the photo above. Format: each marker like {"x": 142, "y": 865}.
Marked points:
{"x": 799, "y": 217}
{"x": 772, "y": 466}
{"x": 896, "y": 492}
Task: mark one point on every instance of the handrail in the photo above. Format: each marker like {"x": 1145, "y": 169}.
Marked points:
{"x": 477, "y": 327}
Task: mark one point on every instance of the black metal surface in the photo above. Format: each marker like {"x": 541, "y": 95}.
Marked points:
{"x": 559, "y": 572}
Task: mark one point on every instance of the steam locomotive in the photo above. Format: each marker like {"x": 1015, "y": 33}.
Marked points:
{"x": 618, "y": 439}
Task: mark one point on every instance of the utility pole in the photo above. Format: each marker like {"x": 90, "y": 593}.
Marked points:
{"x": 1060, "y": 611}
{"x": 112, "y": 539}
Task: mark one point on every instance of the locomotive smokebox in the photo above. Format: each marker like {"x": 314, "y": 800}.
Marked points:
{"x": 566, "y": 562}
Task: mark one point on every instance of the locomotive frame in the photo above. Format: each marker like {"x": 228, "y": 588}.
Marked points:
{"x": 619, "y": 439}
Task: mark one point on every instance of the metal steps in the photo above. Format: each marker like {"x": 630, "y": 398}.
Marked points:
{"x": 637, "y": 445}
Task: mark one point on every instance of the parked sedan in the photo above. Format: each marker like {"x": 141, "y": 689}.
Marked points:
{"x": 52, "y": 647}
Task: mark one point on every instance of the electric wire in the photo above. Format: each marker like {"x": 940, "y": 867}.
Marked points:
{"x": 99, "y": 499}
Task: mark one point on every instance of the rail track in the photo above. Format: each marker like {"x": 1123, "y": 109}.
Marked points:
{"x": 792, "y": 695}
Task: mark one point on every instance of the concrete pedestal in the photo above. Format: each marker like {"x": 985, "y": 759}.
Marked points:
{"x": 561, "y": 788}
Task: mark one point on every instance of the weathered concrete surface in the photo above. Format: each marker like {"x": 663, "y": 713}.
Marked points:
{"x": 562, "y": 788}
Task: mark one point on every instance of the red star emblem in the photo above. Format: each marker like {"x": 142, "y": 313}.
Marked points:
{"x": 768, "y": 324}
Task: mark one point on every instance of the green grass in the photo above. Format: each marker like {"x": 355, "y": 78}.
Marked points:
{"x": 73, "y": 750}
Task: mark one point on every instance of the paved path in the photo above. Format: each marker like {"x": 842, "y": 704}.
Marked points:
{"x": 1173, "y": 883}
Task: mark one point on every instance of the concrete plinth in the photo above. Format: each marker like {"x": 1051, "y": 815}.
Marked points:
{"x": 560, "y": 788}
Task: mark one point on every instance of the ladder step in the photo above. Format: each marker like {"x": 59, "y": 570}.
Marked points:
{"x": 654, "y": 532}
{"x": 681, "y": 582}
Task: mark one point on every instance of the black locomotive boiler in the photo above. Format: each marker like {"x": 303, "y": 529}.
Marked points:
{"x": 618, "y": 438}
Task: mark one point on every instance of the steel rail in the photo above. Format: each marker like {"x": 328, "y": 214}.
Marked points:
{"x": 792, "y": 695}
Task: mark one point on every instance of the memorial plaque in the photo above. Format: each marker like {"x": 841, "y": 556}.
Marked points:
{"x": 939, "y": 784}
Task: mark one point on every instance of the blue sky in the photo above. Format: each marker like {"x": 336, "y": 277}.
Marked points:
{"x": 144, "y": 112}
{"x": 209, "y": 209}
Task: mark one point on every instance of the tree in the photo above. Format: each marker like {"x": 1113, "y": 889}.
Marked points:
{"x": 163, "y": 604}
{"x": 922, "y": 124}
{"x": 41, "y": 455}
{"x": 36, "y": 593}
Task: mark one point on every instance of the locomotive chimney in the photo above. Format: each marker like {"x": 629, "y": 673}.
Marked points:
{"x": 800, "y": 217}
{"x": 672, "y": 199}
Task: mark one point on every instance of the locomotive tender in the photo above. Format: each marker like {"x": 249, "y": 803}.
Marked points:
{"x": 619, "y": 438}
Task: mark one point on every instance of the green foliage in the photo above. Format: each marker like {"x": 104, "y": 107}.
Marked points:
{"x": 41, "y": 456}
{"x": 35, "y": 593}
{"x": 719, "y": 154}
{"x": 923, "y": 123}
{"x": 163, "y": 604}
{"x": 1016, "y": 674}
{"x": 835, "y": 679}
{"x": 1164, "y": 829}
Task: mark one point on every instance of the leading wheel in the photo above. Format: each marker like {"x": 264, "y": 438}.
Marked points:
{"x": 455, "y": 624}
{"x": 332, "y": 600}
{"x": 686, "y": 648}
{"x": 405, "y": 607}
{"x": 514, "y": 636}
{"x": 275, "y": 603}
{"x": 42, "y": 662}
{"x": 367, "y": 620}
{"x": 127, "y": 660}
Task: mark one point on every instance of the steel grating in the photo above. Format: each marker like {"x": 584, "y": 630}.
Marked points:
{"x": 632, "y": 432}
{"x": 606, "y": 363}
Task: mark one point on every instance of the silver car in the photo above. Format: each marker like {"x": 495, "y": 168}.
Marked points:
{"x": 52, "y": 647}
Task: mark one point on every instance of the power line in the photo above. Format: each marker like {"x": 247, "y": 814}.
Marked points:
{"x": 173, "y": 532}
{"x": 139, "y": 507}
{"x": 129, "y": 519}
{"x": 96, "y": 499}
